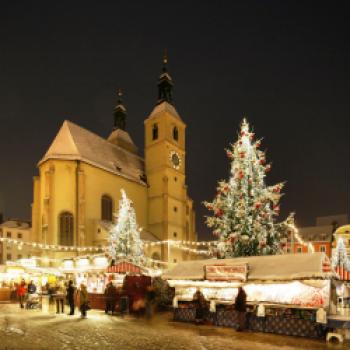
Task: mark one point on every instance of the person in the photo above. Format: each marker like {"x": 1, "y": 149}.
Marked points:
{"x": 71, "y": 297}
{"x": 150, "y": 300}
{"x": 123, "y": 302}
{"x": 240, "y": 307}
{"x": 31, "y": 288}
{"x": 111, "y": 297}
{"x": 199, "y": 302}
{"x": 84, "y": 302}
{"x": 59, "y": 296}
{"x": 21, "y": 292}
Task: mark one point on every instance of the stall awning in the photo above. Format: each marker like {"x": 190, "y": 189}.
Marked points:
{"x": 262, "y": 268}
{"x": 124, "y": 267}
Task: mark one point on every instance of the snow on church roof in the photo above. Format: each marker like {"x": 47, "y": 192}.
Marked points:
{"x": 164, "y": 107}
{"x": 260, "y": 268}
{"x": 76, "y": 143}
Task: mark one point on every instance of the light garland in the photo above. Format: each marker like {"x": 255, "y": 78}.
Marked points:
{"x": 43, "y": 246}
{"x": 300, "y": 240}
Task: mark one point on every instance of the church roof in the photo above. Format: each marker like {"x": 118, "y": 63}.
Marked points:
{"x": 122, "y": 138}
{"x": 164, "y": 107}
{"x": 76, "y": 143}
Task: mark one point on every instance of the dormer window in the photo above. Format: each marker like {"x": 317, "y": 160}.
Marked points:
{"x": 175, "y": 133}
{"x": 155, "y": 132}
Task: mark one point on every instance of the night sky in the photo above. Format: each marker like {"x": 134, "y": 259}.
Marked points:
{"x": 283, "y": 64}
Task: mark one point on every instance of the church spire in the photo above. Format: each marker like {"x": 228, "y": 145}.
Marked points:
{"x": 165, "y": 83}
{"x": 119, "y": 113}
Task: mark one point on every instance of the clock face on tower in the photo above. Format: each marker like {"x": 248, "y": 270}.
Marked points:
{"x": 175, "y": 160}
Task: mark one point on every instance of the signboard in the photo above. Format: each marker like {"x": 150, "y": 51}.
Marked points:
{"x": 226, "y": 272}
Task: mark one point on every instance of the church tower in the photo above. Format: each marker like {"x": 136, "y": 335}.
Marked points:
{"x": 170, "y": 210}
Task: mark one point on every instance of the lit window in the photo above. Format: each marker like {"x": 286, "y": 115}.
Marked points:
{"x": 19, "y": 235}
{"x": 8, "y": 234}
{"x": 323, "y": 248}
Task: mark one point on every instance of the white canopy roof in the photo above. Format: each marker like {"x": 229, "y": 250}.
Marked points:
{"x": 260, "y": 268}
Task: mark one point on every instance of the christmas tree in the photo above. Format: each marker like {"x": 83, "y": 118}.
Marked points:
{"x": 125, "y": 241}
{"x": 340, "y": 256}
{"x": 245, "y": 208}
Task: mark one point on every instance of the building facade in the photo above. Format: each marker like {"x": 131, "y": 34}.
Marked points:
{"x": 19, "y": 231}
{"x": 322, "y": 236}
{"x": 77, "y": 191}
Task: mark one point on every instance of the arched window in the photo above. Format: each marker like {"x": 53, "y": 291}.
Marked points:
{"x": 66, "y": 226}
{"x": 176, "y": 133}
{"x": 155, "y": 132}
{"x": 106, "y": 208}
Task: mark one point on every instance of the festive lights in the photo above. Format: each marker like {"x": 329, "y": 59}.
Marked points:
{"x": 245, "y": 209}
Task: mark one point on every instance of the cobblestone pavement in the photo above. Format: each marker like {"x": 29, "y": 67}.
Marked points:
{"x": 31, "y": 329}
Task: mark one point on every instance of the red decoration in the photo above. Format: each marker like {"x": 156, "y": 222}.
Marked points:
{"x": 219, "y": 213}
{"x": 258, "y": 144}
{"x": 262, "y": 161}
{"x": 276, "y": 190}
{"x": 229, "y": 154}
{"x": 257, "y": 205}
{"x": 241, "y": 154}
{"x": 240, "y": 175}
{"x": 267, "y": 168}
{"x": 276, "y": 208}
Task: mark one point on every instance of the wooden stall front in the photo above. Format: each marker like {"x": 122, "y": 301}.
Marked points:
{"x": 284, "y": 292}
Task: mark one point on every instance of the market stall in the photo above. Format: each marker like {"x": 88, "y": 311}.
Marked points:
{"x": 286, "y": 294}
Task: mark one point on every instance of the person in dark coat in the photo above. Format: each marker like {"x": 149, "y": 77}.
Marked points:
{"x": 111, "y": 297}
{"x": 200, "y": 305}
{"x": 31, "y": 288}
{"x": 71, "y": 297}
{"x": 240, "y": 307}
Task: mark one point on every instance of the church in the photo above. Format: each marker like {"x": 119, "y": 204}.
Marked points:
{"x": 76, "y": 194}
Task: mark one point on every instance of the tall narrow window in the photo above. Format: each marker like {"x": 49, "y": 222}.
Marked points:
{"x": 106, "y": 208}
{"x": 66, "y": 225}
{"x": 176, "y": 133}
{"x": 155, "y": 132}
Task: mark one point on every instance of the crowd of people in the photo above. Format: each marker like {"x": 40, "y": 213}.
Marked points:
{"x": 61, "y": 294}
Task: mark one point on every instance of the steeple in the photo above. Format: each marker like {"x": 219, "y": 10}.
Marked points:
{"x": 165, "y": 83}
{"x": 119, "y": 113}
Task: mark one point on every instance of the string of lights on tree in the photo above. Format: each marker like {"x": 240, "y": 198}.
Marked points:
{"x": 245, "y": 209}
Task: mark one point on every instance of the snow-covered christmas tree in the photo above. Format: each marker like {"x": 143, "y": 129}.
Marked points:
{"x": 340, "y": 256}
{"x": 245, "y": 208}
{"x": 124, "y": 239}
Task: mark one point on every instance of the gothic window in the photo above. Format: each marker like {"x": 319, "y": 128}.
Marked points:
{"x": 106, "y": 208}
{"x": 155, "y": 132}
{"x": 175, "y": 133}
{"x": 66, "y": 224}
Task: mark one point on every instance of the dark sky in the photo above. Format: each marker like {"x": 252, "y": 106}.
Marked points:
{"x": 284, "y": 64}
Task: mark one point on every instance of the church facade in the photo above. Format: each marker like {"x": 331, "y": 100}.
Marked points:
{"x": 77, "y": 191}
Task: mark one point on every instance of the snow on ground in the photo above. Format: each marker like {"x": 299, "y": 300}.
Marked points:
{"x": 31, "y": 329}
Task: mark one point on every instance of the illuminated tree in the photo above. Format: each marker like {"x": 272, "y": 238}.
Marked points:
{"x": 245, "y": 209}
{"x": 125, "y": 241}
